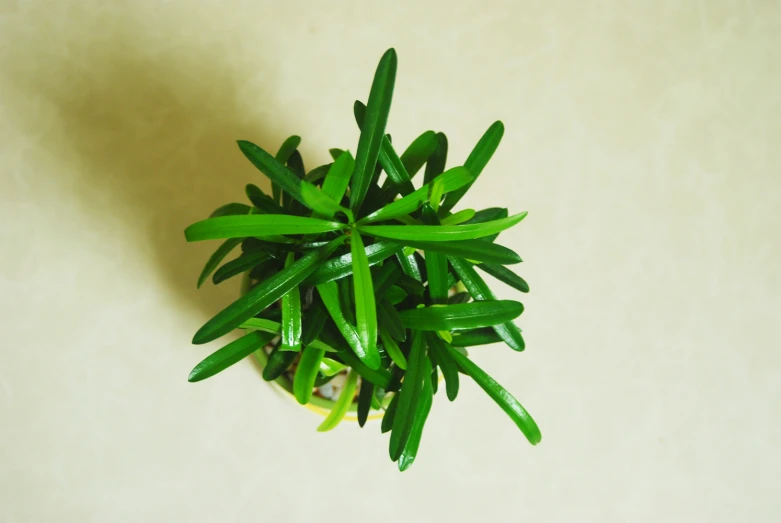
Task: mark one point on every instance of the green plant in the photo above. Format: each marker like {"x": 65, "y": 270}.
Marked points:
{"x": 344, "y": 277}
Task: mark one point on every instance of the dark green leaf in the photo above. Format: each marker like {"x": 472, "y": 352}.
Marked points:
{"x": 422, "y": 410}
{"x": 274, "y": 169}
{"x": 335, "y": 152}
{"x": 384, "y": 278}
{"x": 342, "y": 266}
{"x": 257, "y": 225}
{"x": 500, "y": 395}
{"x": 477, "y": 160}
{"x": 262, "y": 201}
{"x": 346, "y": 299}
{"x": 338, "y": 177}
{"x": 410, "y": 284}
{"x": 480, "y": 291}
{"x": 390, "y": 414}
{"x": 477, "y": 250}
{"x": 461, "y": 316}
{"x": 436, "y": 162}
{"x": 396, "y": 295}
{"x": 296, "y": 164}
{"x": 446, "y": 363}
{"x": 231, "y": 209}
{"x": 488, "y": 215}
{"x": 392, "y": 348}
{"x": 380, "y": 377}
{"x": 313, "y": 322}
{"x": 459, "y": 297}
{"x": 409, "y": 395}
{"x": 306, "y": 373}
{"x": 231, "y": 353}
{"x": 419, "y": 151}
{"x": 214, "y": 260}
{"x": 241, "y": 264}
{"x": 364, "y": 401}
{"x": 365, "y": 307}
{"x": 318, "y": 173}
{"x": 390, "y": 320}
{"x": 440, "y": 233}
{"x": 330, "y": 367}
{"x": 291, "y": 315}
{"x": 436, "y": 264}
{"x": 373, "y": 128}
{"x": 278, "y": 362}
{"x": 505, "y": 275}
{"x": 264, "y": 270}
{"x": 263, "y": 294}
{"x": 473, "y": 338}
{"x": 342, "y": 404}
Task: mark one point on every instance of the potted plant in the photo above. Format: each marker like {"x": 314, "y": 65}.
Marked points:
{"x": 367, "y": 282}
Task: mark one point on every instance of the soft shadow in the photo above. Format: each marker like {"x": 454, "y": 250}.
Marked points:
{"x": 155, "y": 133}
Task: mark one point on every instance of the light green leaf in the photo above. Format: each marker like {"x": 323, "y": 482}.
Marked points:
{"x": 338, "y": 178}
{"x": 291, "y": 315}
{"x": 365, "y": 306}
{"x": 321, "y": 203}
{"x": 409, "y": 395}
{"x": 422, "y": 410}
{"x": 257, "y": 225}
{"x": 306, "y": 373}
{"x": 461, "y": 316}
{"x": 231, "y": 353}
{"x": 441, "y": 233}
{"x": 342, "y": 404}
{"x": 446, "y": 363}
{"x": 393, "y": 350}
{"x": 478, "y": 250}
{"x": 459, "y": 217}
{"x": 329, "y": 367}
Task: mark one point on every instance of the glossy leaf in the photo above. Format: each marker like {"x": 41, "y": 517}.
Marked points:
{"x": 441, "y": 233}
{"x": 390, "y": 415}
{"x": 306, "y": 373}
{"x": 263, "y": 294}
{"x": 323, "y": 205}
{"x": 422, "y": 410}
{"x": 243, "y": 263}
{"x": 459, "y": 217}
{"x": 498, "y": 393}
{"x": 313, "y": 322}
{"x": 488, "y": 215}
{"x": 473, "y": 338}
{"x": 456, "y": 177}
{"x": 231, "y": 353}
{"x": 365, "y": 306}
{"x": 436, "y": 162}
{"x": 373, "y": 128}
{"x": 409, "y": 266}
{"x": 380, "y": 377}
{"x": 364, "y": 401}
{"x": 477, "y": 250}
{"x": 278, "y": 363}
{"x": 477, "y": 160}
{"x": 257, "y": 225}
{"x": 214, "y": 260}
{"x": 446, "y": 363}
{"x": 338, "y": 178}
{"x": 409, "y": 395}
{"x": 505, "y": 275}
{"x": 330, "y": 296}
{"x": 461, "y": 316}
{"x": 436, "y": 264}
{"x": 291, "y": 315}
{"x": 337, "y": 268}
{"x": 480, "y": 291}
{"x": 393, "y": 350}
{"x": 260, "y": 200}
{"x": 273, "y": 168}
{"x": 275, "y": 327}
{"x": 330, "y": 367}
{"x": 231, "y": 209}
{"x": 390, "y": 320}
{"x": 419, "y": 151}
{"x": 342, "y": 404}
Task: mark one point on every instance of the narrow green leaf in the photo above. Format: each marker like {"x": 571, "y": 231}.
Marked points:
{"x": 347, "y": 299}
{"x": 436, "y": 264}
{"x": 500, "y": 395}
{"x": 338, "y": 178}
{"x": 296, "y": 164}
{"x": 373, "y": 128}
{"x": 437, "y": 190}
{"x": 313, "y": 322}
{"x": 480, "y": 291}
{"x": 231, "y": 209}
{"x": 263, "y": 294}
{"x": 390, "y": 414}
{"x": 436, "y": 162}
{"x": 473, "y": 338}
{"x": 410, "y": 284}
{"x": 291, "y": 315}
{"x": 380, "y": 377}
{"x": 275, "y": 327}
{"x": 440, "y": 233}
{"x": 409, "y": 266}
{"x": 257, "y": 225}
{"x": 287, "y": 148}
{"x": 342, "y": 404}
{"x": 473, "y": 249}
{"x": 337, "y": 268}
{"x": 306, "y": 373}
{"x": 419, "y": 151}
{"x": 243, "y": 263}
{"x": 409, "y": 395}
{"x": 364, "y": 401}
{"x": 422, "y": 410}
{"x": 384, "y": 278}
{"x": 335, "y": 152}
{"x": 260, "y": 200}
{"x": 330, "y": 367}
{"x": 461, "y": 316}
{"x": 318, "y": 173}
{"x": 280, "y": 176}
{"x": 459, "y": 217}
{"x": 390, "y": 320}
{"x": 231, "y": 353}
{"x": 456, "y": 177}
{"x": 393, "y": 350}
{"x": 329, "y": 294}
{"x": 396, "y": 295}
{"x": 321, "y": 203}
{"x": 446, "y": 363}
{"x": 278, "y": 363}
{"x": 505, "y": 275}
{"x": 477, "y": 160}
{"x": 459, "y": 297}
{"x": 488, "y": 215}
{"x": 214, "y": 260}
{"x": 365, "y": 307}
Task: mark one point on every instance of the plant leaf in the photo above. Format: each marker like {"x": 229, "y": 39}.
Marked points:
{"x": 330, "y": 296}
{"x": 214, "y": 260}
{"x": 263, "y": 294}
{"x": 393, "y": 350}
{"x": 321, "y": 203}
{"x": 461, "y": 316}
{"x": 313, "y": 322}
{"x": 440, "y": 233}
{"x": 474, "y": 249}
{"x": 480, "y": 291}
{"x": 505, "y": 275}
{"x": 329, "y": 367}
{"x": 419, "y": 420}
{"x": 436, "y": 264}
{"x": 243, "y": 263}
{"x": 409, "y": 266}
{"x": 231, "y": 353}
{"x": 477, "y": 160}
{"x": 436, "y": 162}
{"x": 364, "y": 401}
{"x": 275, "y": 327}
{"x": 380, "y": 377}
{"x": 274, "y": 169}
{"x": 473, "y": 338}
{"x": 459, "y": 217}
{"x": 342, "y": 266}
{"x": 260, "y": 200}
{"x": 390, "y": 320}
{"x": 446, "y": 363}
{"x": 456, "y": 177}
{"x": 338, "y": 178}
{"x": 365, "y": 306}
{"x": 257, "y": 225}
{"x": 306, "y": 373}
{"x": 342, "y": 404}
{"x": 390, "y": 414}
{"x": 373, "y": 128}
{"x": 318, "y": 173}
{"x": 231, "y": 209}
{"x": 409, "y": 395}
{"x": 500, "y": 395}
{"x": 291, "y": 315}
{"x": 278, "y": 363}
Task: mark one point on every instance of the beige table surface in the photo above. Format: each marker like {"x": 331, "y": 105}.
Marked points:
{"x": 642, "y": 137}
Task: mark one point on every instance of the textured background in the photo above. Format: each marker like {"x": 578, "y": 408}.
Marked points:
{"x": 642, "y": 137}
